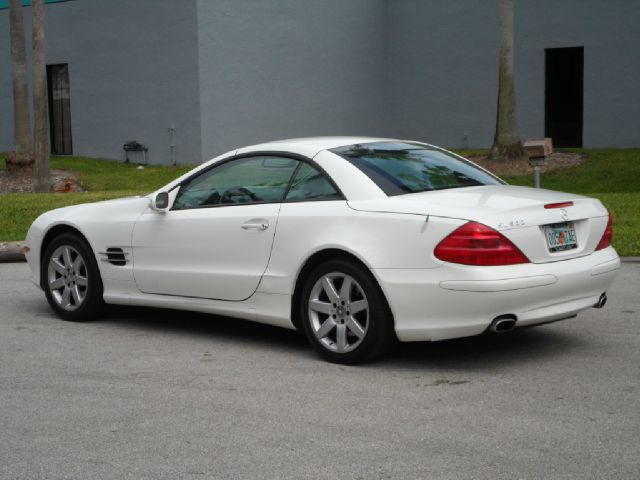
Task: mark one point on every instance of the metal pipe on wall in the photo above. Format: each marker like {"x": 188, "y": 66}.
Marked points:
{"x": 172, "y": 146}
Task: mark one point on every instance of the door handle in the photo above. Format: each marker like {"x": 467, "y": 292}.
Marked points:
{"x": 256, "y": 224}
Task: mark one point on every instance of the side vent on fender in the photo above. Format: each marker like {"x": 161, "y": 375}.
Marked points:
{"x": 115, "y": 256}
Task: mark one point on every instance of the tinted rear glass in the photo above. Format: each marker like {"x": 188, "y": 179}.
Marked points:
{"x": 399, "y": 167}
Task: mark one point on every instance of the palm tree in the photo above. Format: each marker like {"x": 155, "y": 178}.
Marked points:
{"x": 20, "y": 160}
{"x": 506, "y": 143}
{"x": 42, "y": 169}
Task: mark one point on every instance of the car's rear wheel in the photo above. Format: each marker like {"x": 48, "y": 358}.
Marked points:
{"x": 344, "y": 314}
{"x": 71, "y": 279}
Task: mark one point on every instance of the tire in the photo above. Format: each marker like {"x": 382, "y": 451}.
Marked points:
{"x": 71, "y": 279}
{"x": 344, "y": 314}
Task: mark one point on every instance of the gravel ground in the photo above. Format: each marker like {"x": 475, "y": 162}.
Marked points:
{"x": 553, "y": 162}
{"x": 61, "y": 180}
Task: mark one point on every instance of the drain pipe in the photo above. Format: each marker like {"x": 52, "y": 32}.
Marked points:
{"x": 172, "y": 146}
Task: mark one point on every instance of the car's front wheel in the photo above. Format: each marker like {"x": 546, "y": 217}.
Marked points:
{"x": 71, "y": 279}
{"x": 344, "y": 314}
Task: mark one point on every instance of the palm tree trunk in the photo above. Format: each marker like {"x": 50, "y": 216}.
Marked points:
{"x": 20, "y": 160}
{"x": 42, "y": 173}
{"x": 506, "y": 143}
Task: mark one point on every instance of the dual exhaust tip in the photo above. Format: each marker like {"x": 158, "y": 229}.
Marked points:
{"x": 506, "y": 323}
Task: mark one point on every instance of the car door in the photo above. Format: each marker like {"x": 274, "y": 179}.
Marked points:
{"x": 216, "y": 240}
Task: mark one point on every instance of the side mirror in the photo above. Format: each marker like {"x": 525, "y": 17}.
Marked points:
{"x": 160, "y": 203}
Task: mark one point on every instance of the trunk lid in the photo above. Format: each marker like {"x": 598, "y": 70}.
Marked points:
{"x": 519, "y": 213}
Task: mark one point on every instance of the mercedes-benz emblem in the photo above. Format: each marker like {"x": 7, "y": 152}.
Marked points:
{"x": 564, "y": 215}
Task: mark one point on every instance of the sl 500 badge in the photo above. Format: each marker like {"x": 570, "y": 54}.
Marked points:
{"x": 511, "y": 224}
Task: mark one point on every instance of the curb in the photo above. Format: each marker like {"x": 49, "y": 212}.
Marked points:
{"x": 12, "y": 252}
{"x": 630, "y": 259}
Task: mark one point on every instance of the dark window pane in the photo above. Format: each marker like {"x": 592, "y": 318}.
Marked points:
{"x": 246, "y": 180}
{"x": 310, "y": 184}
{"x": 398, "y": 167}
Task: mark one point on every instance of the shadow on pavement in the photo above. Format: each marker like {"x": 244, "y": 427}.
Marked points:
{"x": 488, "y": 351}
{"x": 482, "y": 352}
{"x": 201, "y": 324}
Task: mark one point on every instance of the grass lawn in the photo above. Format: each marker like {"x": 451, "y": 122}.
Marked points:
{"x": 611, "y": 175}
{"x": 104, "y": 179}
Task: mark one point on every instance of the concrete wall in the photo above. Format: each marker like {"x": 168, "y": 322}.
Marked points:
{"x": 133, "y": 70}
{"x": 229, "y": 73}
{"x": 443, "y": 64}
{"x": 610, "y": 34}
{"x": 289, "y": 68}
{"x": 442, "y": 71}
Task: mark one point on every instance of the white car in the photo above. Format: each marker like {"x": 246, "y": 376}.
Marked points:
{"x": 354, "y": 241}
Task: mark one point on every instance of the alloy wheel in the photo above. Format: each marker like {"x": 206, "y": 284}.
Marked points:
{"x": 67, "y": 277}
{"x": 338, "y": 312}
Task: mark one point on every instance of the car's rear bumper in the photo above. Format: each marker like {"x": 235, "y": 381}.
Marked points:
{"x": 458, "y": 301}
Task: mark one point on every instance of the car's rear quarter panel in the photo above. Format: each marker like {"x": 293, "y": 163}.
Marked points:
{"x": 428, "y": 297}
{"x": 379, "y": 240}
{"x": 458, "y": 300}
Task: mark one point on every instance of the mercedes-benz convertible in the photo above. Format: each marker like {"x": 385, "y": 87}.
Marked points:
{"x": 357, "y": 242}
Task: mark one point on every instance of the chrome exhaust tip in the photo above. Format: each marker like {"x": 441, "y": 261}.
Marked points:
{"x": 602, "y": 301}
{"x": 502, "y": 324}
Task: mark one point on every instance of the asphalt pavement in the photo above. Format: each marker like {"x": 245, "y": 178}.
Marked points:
{"x": 150, "y": 394}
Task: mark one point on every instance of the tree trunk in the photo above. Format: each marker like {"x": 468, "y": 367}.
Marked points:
{"x": 20, "y": 160}
{"x": 42, "y": 173}
{"x": 506, "y": 143}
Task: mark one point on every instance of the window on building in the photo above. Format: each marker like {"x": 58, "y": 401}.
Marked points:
{"x": 564, "y": 72}
{"x": 59, "y": 109}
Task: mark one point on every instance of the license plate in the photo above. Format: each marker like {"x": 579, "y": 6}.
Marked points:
{"x": 560, "y": 236}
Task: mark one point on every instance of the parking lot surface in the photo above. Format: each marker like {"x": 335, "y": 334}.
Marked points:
{"x": 151, "y": 394}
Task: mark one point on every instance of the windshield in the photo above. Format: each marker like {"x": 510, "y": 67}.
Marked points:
{"x": 401, "y": 167}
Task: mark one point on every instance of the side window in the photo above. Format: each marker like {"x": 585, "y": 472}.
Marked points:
{"x": 310, "y": 184}
{"x": 262, "y": 179}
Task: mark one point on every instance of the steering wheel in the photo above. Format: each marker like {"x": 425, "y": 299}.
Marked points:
{"x": 234, "y": 192}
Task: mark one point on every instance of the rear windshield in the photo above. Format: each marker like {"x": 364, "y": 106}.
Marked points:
{"x": 400, "y": 167}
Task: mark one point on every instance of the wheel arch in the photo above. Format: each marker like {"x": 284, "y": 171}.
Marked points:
{"x": 316, "y": 259}
{"x": 52, "y": 233}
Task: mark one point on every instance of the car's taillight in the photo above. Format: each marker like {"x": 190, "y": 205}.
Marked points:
{"x": 607, "y": 236}
{"x": 477, "y": 244}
